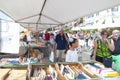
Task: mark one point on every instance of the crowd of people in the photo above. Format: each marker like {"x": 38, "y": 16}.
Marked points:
{"x": 104, "y": 46}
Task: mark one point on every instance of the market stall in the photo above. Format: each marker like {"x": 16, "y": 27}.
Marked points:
{"x": 37, "y": 15}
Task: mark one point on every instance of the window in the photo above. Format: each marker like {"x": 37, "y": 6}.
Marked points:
{"x": 97, "y": 14}
{"x": 114, "y": 9}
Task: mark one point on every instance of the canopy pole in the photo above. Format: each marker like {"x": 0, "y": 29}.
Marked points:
{"x": 52, "y": 19}
{"x": 0, "y": 33}
{"x": 28, "y": 22}
{"x": 41, "y": 12}
{"x": 27, "y": 17}
{"x": 28, "y": 26}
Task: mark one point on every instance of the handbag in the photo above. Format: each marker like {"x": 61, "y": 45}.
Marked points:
{"x": 106, "y": 61}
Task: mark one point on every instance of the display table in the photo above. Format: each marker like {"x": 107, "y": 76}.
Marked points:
{"x": 44, "y": 49}
{"x": 84, "y": 55}
{"x": 13, "y": 72}
{"x": 89, "y": 70}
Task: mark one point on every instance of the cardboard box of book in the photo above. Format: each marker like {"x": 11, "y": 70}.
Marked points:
{"x": 13, "y": 74}
{"x": 100, "y": 70}
{"x": 61, "y": 71}
{"x": 17, "y": 74}
{"x": 3, "y": 73}
{"x": 43, "y": 72}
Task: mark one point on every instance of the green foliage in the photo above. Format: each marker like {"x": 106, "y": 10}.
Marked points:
{"x": 49, "y": 29}
{"x": 68, "y": 30}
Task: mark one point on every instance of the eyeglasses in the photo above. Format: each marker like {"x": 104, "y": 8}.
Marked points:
{"x": 105, "y": 34}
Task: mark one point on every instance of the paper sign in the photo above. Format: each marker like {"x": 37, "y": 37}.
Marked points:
{"x": 9, "y": 38}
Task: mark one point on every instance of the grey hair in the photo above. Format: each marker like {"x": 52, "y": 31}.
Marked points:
{"x": 115, "y": 31}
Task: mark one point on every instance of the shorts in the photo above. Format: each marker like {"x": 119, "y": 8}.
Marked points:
{"x": 60, "y": 54}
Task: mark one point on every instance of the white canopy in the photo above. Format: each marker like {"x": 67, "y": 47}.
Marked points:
{"x": 42, "y": 14}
